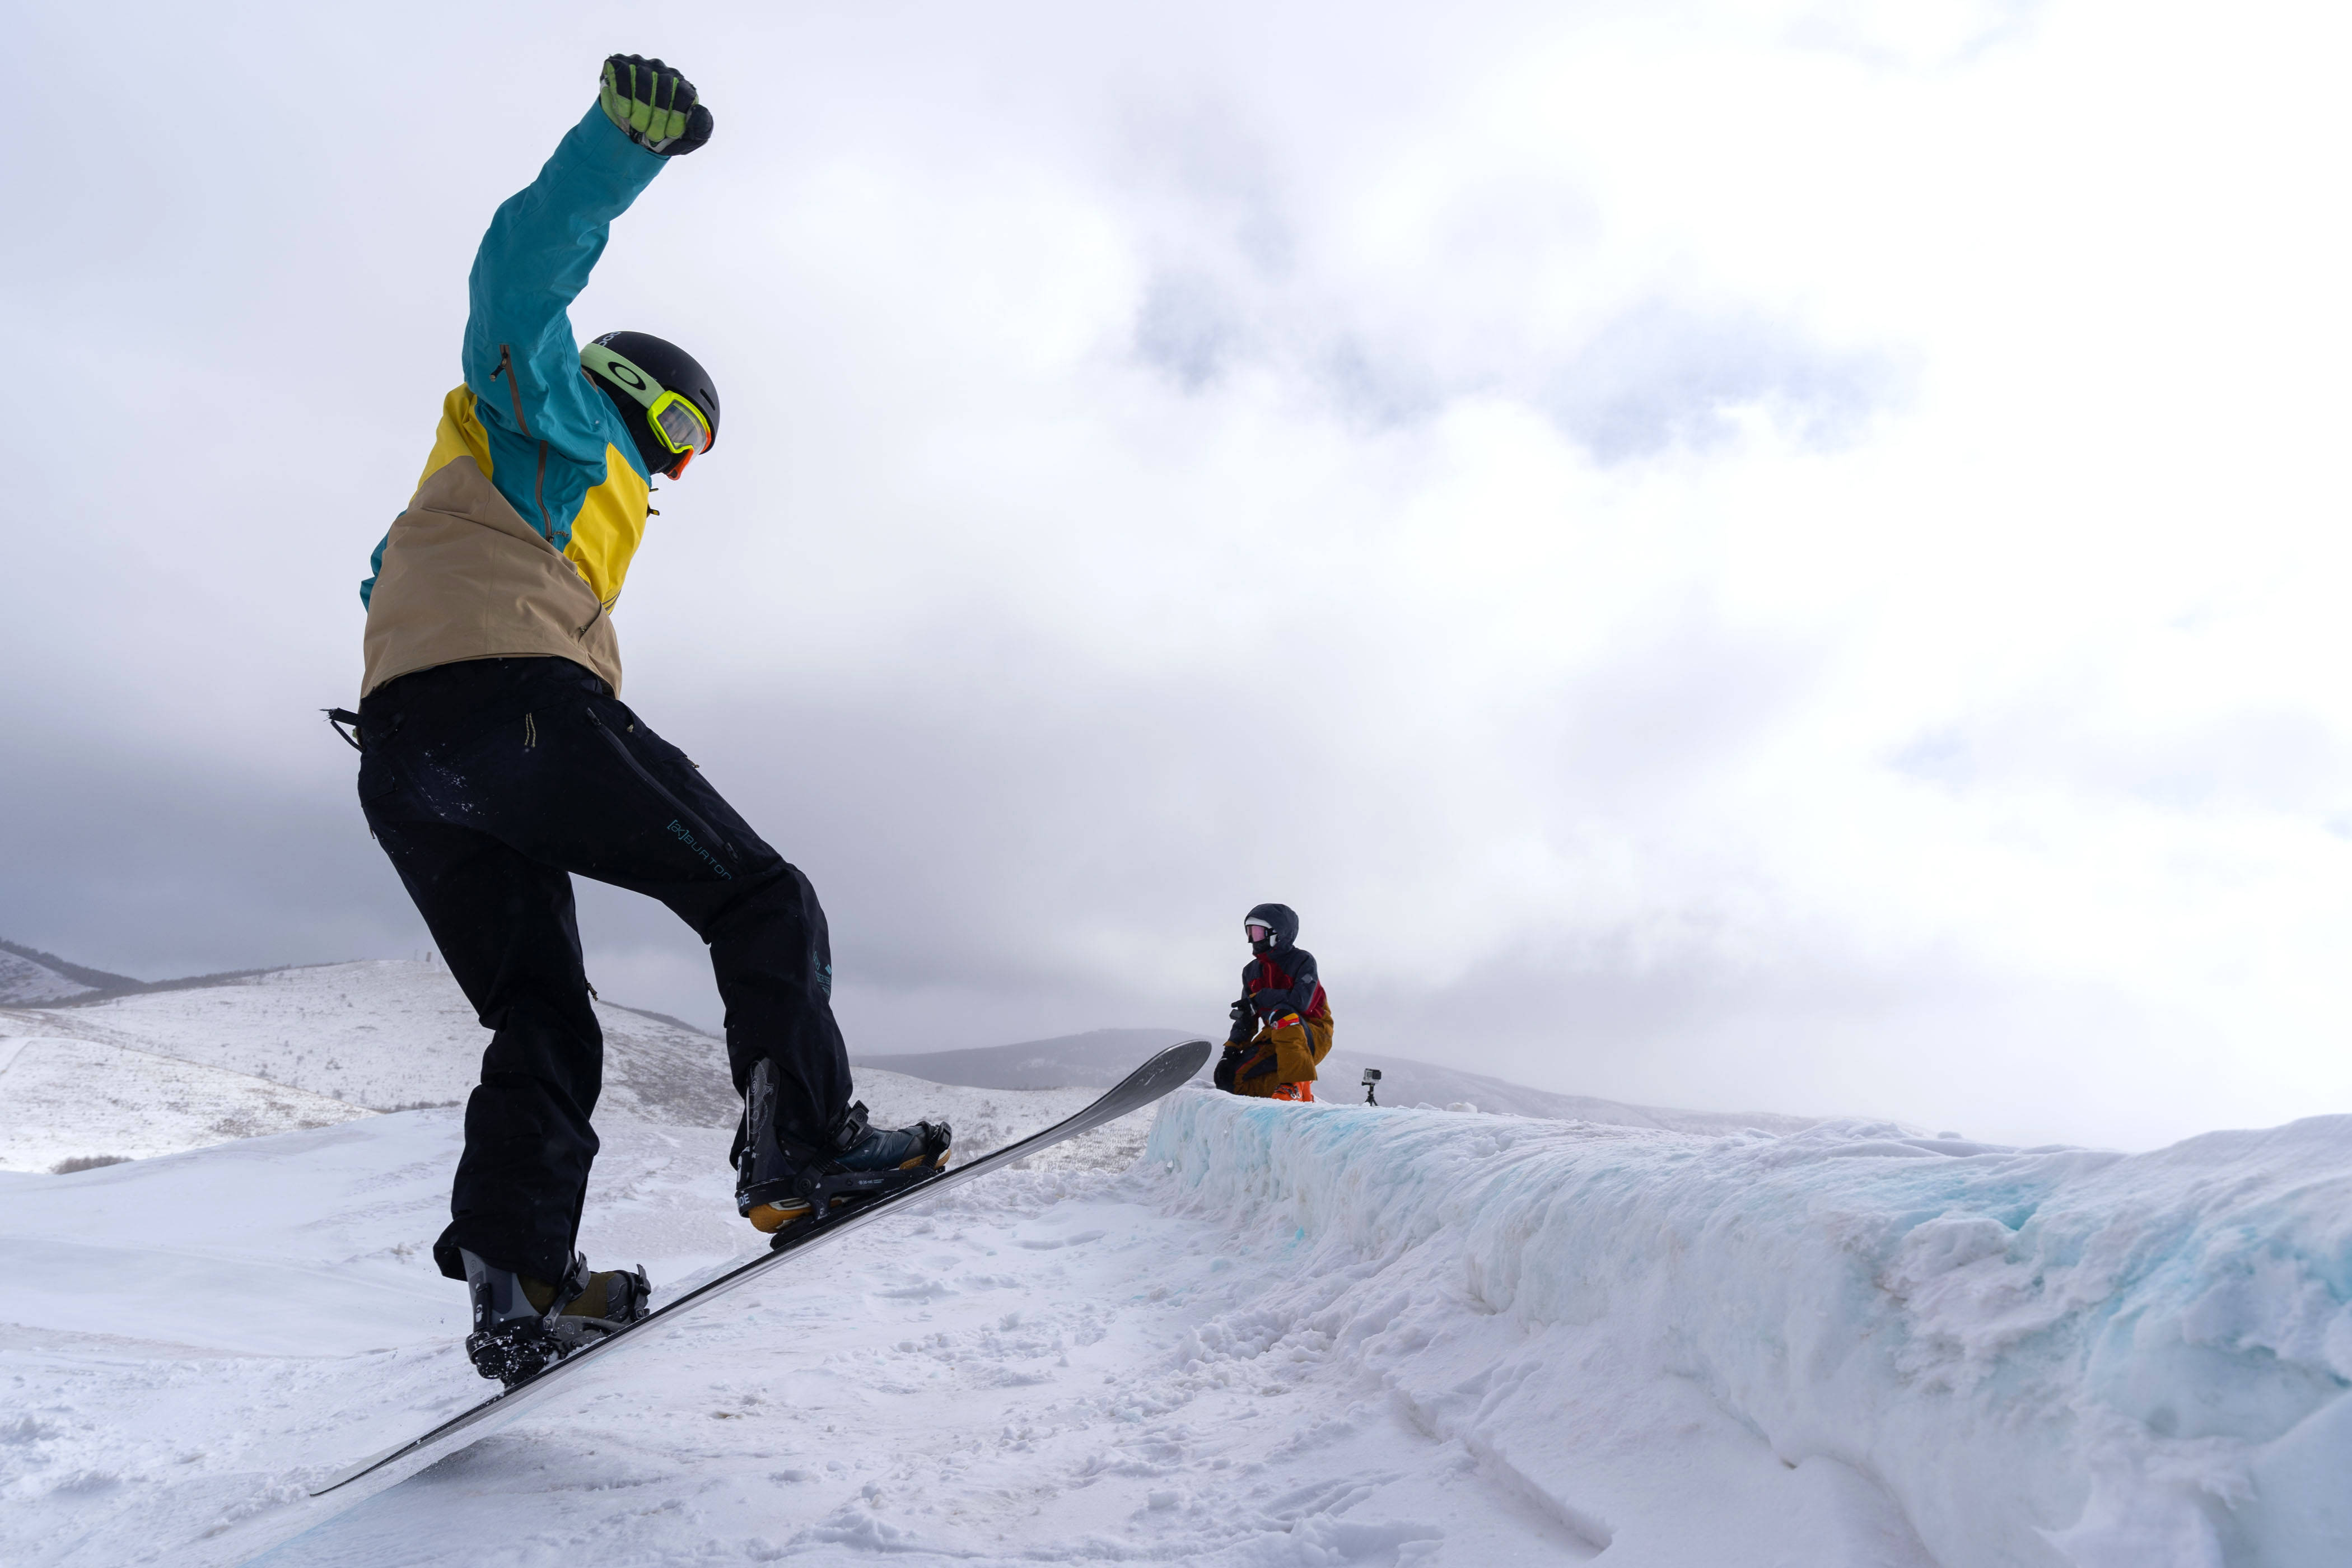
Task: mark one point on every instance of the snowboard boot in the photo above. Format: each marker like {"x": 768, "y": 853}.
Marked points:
{"x": 522, "y": 1325}
{"x": 781, "y": 1183}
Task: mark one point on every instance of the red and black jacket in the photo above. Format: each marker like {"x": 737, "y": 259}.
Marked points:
{"x": 1278, "y": 983}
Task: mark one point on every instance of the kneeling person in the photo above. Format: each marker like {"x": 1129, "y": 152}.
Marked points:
{"x": 1282, "y": 1025}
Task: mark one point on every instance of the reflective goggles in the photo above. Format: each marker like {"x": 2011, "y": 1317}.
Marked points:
{"x": 679, "y": 423}
{"x": 1257, "y": 932}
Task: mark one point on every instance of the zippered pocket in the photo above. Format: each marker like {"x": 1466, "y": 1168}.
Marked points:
{"x": 686, "y": 816}
{"x": 514, "y": 402}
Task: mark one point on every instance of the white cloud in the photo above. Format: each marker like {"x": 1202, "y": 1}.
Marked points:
{"x": 1752, "y": 554}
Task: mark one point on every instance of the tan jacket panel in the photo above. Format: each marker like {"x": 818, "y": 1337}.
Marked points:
{"x": 464, "y": 577}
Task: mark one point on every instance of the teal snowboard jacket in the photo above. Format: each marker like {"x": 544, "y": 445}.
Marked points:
{"x": 455, "y": 577}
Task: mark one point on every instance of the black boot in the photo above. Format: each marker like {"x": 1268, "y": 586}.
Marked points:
{"x": 780, "y": 1181}
{"x": 521, "y": 1324}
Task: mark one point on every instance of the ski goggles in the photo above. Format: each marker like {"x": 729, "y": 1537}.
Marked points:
{"x": 674, "y": 418}
{"x": 1258, "y": 931}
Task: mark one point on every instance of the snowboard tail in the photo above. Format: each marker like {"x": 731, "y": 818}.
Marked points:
{"x": 1140, "y": 1088}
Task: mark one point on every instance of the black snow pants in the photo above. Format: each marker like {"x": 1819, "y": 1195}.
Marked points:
{"x": 488, "y": 783}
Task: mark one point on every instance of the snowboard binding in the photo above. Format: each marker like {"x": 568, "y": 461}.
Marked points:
{"x": 519, "y": 1331}
{"x": 828, "y": 1198}
{"x": 786, "y": 1188}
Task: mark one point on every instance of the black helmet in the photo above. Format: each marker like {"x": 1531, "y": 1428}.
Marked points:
{"x": 1282, "y": 925}
{"x": 635, "y": 369}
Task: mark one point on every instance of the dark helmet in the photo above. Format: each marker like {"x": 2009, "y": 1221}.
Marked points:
{"x": 1279, "y": 920}
{"x": 669, "y": 368}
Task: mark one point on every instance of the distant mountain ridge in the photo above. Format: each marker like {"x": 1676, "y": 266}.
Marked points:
{"x": 1100, "y": 1057}
{"x": 89, "y": 979}
{"x": 22, "y": 983}
{"x": 1095, "y": 1059}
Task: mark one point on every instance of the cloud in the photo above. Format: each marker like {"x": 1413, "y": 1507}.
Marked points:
{"x": 1659, "y": 376}
{"x": 1709, "y": 567}
{"x": 1189, "y": 329}
{"x": 1921, "y": 35}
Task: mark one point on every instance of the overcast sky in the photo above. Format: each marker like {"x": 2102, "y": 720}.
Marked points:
{"x": 1746, "y": 554}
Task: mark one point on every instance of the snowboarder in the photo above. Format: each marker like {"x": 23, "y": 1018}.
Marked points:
{"x": 1282, "y": 1025}
{"x": 497, "y": 759}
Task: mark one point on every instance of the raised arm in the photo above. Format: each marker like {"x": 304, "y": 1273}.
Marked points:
{"x": 521, "y": 360}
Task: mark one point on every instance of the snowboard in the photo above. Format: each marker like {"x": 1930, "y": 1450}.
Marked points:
{"x": 1146, "y": 1084}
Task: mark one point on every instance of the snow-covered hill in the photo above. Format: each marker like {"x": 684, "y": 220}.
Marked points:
{"x": 25, "y": 980}
{"x": 64, "y": 1099}
{"x": 296, "y": 1048}
{"x": 178, "y": 1066}
{"x": 393, "y": 1032}
{"x": 29, "y": 976}
{"x": 173, "y": 1069}
{"x": 1290, "y": 1335}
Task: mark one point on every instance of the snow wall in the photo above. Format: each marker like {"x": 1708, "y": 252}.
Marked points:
{"x": 2033, "y": 1356}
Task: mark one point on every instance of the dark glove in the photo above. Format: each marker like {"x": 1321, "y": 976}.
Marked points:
{"x": 1241, "y": 1011}
{"x": 1224, "y": 1076}
{"x": 656, "y": 106}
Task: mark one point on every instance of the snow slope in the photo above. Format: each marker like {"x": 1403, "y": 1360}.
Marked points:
{"x": 375, "y": 1035}
{"x": 395, "y": 1035}
{"x": 68, "y": 1098}
{"x": 1287, "y": 1335}
{"x": 987, "y": 1381}
{"x": 169, "y": 1070}
{"x": 24, "y": 980}
{"x": 29, "y": 976}
{"x": 1292, "y": 1334}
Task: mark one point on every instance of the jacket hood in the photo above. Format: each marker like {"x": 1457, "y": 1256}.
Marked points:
{"x": 1278, "y": 916}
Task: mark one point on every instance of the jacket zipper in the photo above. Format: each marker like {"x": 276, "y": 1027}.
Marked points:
{"x": 514, "y": 394}
{"x": 685, "y": 813}
{"x": 514, "y": 401}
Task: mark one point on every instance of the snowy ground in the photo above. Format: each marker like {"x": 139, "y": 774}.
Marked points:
{"x": 992, "y": 1378}
{"x": 1289, "y": 1335}
{"x": 1284, "y": 1335}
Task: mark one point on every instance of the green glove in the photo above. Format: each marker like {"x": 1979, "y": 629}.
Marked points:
{"x": 654, "y": 104}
